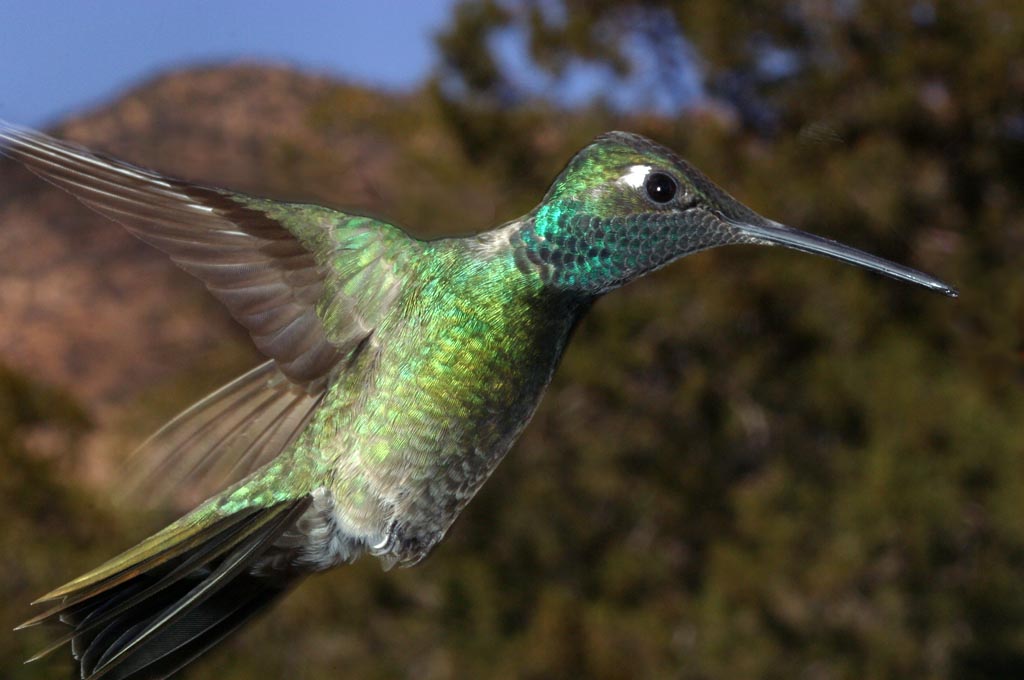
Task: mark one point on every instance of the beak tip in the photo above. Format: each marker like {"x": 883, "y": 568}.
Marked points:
{"x": 940, "y": 287}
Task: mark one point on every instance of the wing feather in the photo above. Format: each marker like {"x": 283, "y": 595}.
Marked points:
{"x": 275, "y": 266}
{"x": 220, "y": 439}
{"x": 310, "y": 284}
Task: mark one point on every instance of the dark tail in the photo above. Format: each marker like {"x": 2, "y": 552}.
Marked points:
{"x": 147, "y": 618}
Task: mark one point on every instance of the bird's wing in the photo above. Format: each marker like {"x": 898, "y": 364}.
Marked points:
{"x": 218, "y": 440}
{"x": 309, "y": 283}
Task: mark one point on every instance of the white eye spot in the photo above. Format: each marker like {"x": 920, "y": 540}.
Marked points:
{"x": 636, "y": 176}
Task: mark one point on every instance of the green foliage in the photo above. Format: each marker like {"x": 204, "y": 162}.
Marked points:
{"x": 37, "y": 509}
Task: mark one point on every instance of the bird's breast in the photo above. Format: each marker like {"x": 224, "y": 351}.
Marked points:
{"x": 446, "y": 393}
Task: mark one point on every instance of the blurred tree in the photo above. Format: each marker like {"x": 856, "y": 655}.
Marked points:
{"x": 38, "y": 509}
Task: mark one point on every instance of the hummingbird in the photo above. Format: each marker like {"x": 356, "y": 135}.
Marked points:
{"x": 399, "y": 372}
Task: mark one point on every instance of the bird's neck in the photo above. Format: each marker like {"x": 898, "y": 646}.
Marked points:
{"x": 511, "y": 252}
{"x": 570, "y": 250}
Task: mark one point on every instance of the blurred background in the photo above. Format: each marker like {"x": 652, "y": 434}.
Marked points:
{"x": 752, "y": 464}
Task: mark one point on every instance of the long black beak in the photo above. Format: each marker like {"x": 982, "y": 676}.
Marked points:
{"x": 773, "y": 233}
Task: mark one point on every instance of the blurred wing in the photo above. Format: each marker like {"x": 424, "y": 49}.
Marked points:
{"x": 310, "y": 284}
{"x": 219, "y": 440}
{"x": 268, "y": 262}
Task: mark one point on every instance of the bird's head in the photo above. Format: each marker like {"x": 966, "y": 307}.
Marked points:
{"x": 625, "y": 206}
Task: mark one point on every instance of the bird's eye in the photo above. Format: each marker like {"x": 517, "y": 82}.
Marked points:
{"x": 660, "y": 187}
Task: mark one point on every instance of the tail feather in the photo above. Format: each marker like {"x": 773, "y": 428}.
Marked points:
{"x": 150, "y": 618}
{"x": 188, "y": 637}
{"x": 179, "y": 538}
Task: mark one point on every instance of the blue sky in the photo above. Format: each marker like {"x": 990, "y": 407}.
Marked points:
{"x": 60, "y": 56}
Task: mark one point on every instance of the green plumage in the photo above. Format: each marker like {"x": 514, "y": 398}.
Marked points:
{"x": 399, "y": 373}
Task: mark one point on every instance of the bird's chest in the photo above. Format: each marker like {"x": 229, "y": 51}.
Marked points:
{"x": 449, "y": 395}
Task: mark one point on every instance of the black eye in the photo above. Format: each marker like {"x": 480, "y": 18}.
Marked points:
{"x": 660, "y": 187}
